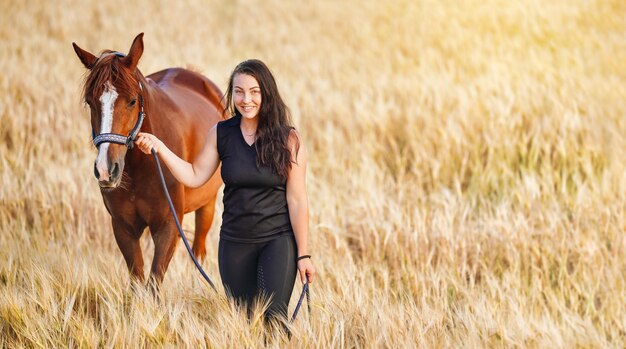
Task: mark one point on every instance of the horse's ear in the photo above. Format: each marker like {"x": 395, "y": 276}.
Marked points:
{"x": 135, "y": 52}
{"x": 87, "y": 58}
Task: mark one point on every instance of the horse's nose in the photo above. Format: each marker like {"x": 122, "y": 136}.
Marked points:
{"x": 115, "y": 171}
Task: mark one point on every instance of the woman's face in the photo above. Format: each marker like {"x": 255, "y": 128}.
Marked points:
{"x": 247, "y": 95}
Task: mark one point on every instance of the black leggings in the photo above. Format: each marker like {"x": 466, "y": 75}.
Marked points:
{"x": 251, "y": 269}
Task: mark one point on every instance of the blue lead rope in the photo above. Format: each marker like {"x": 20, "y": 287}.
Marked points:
{"x": 305, "y": 288}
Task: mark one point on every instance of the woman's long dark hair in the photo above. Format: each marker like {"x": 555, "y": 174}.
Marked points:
{"x": 274, "y": 118}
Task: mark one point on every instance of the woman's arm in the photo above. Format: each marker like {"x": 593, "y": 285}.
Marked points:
{"x": 191, "y": 175}
{"x": 299, "y": 207}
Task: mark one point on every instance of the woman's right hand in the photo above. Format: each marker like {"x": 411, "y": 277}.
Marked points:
{"x": 146, "y": 142}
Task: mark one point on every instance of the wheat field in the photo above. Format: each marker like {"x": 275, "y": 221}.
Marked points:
{"x": 466, "y": 178}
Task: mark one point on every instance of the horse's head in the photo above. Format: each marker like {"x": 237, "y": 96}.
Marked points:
{"x": 113, "y": 92}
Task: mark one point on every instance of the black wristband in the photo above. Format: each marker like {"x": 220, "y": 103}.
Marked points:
{"x": 303, "y": 257}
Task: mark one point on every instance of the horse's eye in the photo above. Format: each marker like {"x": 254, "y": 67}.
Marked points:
{"x": 132, "y": 102}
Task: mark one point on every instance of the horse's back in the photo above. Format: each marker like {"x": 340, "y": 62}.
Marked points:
{"x": 176, "y": 81}
{"x": 191, "y": 98}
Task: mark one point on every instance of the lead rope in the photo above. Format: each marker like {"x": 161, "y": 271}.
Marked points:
{"x": 180, "y": 229}
{"x": 305, "y": 288}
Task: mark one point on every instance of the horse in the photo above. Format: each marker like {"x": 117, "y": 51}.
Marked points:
{"x": 177, "y": 105}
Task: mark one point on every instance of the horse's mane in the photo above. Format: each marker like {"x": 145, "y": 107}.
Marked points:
{"x": 109, "y": 67}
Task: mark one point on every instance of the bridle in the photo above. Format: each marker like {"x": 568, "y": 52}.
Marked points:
{"x": 116, "y": 137}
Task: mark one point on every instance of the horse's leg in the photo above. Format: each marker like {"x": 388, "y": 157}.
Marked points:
{"x": 165, "y": 238}
{"x": 127, "y": 238}
{"x": 204, "y": 219}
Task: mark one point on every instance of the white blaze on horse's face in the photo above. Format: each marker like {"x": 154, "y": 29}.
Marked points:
{"x": 108, "y": 104}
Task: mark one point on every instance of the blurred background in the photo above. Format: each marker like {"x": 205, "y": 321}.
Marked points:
{"x": 466, "y": 172}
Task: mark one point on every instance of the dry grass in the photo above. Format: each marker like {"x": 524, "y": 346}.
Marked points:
{"x": 466, "y": 179}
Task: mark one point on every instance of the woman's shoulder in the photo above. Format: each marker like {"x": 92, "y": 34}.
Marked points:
{"x": 295, "y": 143}
{"x": 294, "y": 135}
{"x": 224, "y": 132}
{"x": 232, "y": 121}
{"x": 226, "y": 127}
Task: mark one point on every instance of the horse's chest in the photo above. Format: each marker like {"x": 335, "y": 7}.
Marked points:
{"x": 139, "y": 204}
{"x": 120, "y": 204}
{"x": 129, "y": 206}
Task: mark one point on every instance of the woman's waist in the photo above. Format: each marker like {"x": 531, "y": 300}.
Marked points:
{"x": 242, "y": 235}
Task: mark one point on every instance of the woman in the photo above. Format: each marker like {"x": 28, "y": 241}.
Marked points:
{"x": 264, "y": 233}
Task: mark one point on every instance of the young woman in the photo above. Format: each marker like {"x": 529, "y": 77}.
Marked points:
{"x": 264, "y": 233}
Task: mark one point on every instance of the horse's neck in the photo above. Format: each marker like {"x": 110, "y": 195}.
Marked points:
{"x": 153, "y": 107}
{"x": 136, "y": 159}
{"x": 148, "y": 94}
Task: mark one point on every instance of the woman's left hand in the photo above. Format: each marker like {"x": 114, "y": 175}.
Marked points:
{"x": 307, "y": 270}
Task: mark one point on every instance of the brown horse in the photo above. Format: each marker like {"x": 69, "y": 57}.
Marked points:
{"x": 180, "y": 107}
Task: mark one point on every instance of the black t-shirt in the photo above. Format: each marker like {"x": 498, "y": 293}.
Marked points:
{"x": 255, "y": 203}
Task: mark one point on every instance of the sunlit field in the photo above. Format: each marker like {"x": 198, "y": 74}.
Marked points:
{"x": 466, "y": 177}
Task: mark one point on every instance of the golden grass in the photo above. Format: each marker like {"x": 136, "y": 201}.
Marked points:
{"x": 466, "y": 179}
